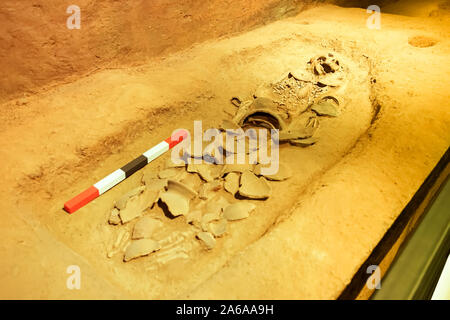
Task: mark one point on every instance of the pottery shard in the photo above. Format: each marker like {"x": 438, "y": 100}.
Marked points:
{"x": 216, "y": 170}
{"x": 302, "y": 127}
{"x": 264, "y": 90}
{"x": 207, "y": 218}
{"x": 148, "y": 176}
{"x": 240, "y": 144}
{"x": 132, "y": 211}
{"x": 177, "y": 205}
{"x": 179, "y": 163}
{"x": 216, "y": 205}
{"x": 168, "y": 173}
{"x": 114, "y": 217}
{"x": 304, "y": 142}
{"x": 139, "y": 248}
{"x": 304, "y": 120}
{"x": 153, "y": 183}
{"x": 302, "y": 75}
{"x": 177, "y": 197}
{"x": 181, "y": 188}
{"x": 193, "y": 181}
{"x": 194, "y": 217}
{"x": 283, "y": 173}
{"x": 202, "y": 169}
{"x": 263, "y": 103}
{"x": 243, "y": 109}
{"x": 145, "y": 227}
{"x": 138, "y": 204}
{"x": 232, "y": 182}
{"x": 149, "y": 197}
{"x": 121, "y": 203}
{"x": 253, "y": 187}
{"x": 208, "y": 239}
{"x": 293, "y": 134}
{"x": 238, "y": 210}
{"x": 208, "y": 189}
{"x": 325, "y": 108}
{"x": 218, "y": 228}
{"x": 237, "y": 168}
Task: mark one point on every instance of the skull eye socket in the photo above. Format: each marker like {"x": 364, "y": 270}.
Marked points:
{"x": 327, "y": 68}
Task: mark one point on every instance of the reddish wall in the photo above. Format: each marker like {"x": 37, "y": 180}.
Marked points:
{"x": 37, "y": 49}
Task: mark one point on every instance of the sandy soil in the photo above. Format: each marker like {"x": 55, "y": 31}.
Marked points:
{"x": 307, "y": 241}
{"x": 39, "y": 52}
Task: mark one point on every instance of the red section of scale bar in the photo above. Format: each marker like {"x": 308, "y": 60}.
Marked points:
{"x": 80, "y": 200}
{"x": 176, "y": 138}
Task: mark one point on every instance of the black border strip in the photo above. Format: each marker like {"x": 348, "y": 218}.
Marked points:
{"x": 359, "y": 279}
{"x": 220, "y": 309}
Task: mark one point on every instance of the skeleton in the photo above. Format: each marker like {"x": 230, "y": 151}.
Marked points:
{"x": 294, "y": 104}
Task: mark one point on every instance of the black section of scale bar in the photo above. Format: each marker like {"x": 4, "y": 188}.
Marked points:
{"x": 133, "y": 166}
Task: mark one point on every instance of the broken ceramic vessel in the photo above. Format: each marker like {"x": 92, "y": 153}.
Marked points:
{"x": 327, "y": 106}
{"x": 253, "y": 187}
{"x": 137, "y": 204}
{"x": 231, "y": 183}
{"x": 208, "y": 190}
{"x": 238, "y": 211}
{"x": 139, "y": 248}
{"x": 122, "y": 201}
{"x": 216, "y": 205}
{"x": 177, "y": 197}
{"x": 284, "y": 172}
{"x": 218, "y": 228}
{"x": 145, "y": 227}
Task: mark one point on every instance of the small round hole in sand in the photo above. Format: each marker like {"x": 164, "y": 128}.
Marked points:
{"x": 421, "y": 42}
